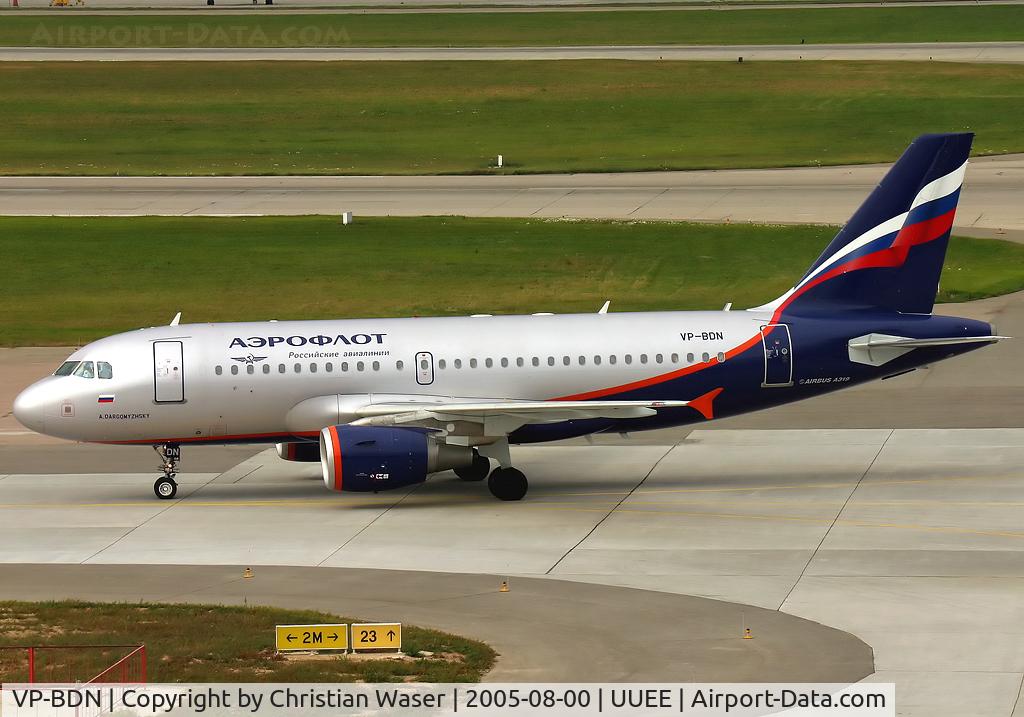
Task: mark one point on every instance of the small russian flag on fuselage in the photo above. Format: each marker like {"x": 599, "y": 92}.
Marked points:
{"x": 105, "y": 398}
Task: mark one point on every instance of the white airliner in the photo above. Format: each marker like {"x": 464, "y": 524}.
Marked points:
{"x": 383, "y": 403}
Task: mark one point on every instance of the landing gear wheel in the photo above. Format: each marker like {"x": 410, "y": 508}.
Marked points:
{"x": 477, "y": 471}
{"x": 507, "y": 484}
{"x": 165, "y": 488}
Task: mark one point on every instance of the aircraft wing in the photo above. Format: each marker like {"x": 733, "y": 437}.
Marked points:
{"x": 498, "y": 418}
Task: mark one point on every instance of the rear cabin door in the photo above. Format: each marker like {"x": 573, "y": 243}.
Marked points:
{"x": 778, "y": 356}
{"x": 424, "y": 368}
{"x": 168, "y": 372}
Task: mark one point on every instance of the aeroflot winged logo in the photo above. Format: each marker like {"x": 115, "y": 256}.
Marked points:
{"x": 250, "y": 359}
{"x": 256, "y": 342}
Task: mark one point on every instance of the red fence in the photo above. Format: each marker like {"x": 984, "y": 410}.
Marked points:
{"x": 69, "y": 664}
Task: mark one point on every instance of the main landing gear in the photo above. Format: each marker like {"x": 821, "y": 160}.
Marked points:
{"x": 507, "y": 483}
{"x": 165, "y": 486}
{"x": 504, "y": 482}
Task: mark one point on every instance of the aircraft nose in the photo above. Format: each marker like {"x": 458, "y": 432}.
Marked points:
{"x": 29, "y": 408}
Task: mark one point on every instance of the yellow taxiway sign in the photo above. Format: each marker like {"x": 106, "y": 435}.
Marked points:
{"x": 312, "y": 637}
{"x": 377, "y": 636}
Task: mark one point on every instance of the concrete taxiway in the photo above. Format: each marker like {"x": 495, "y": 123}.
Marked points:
{"x": 989, "y": 203}
{"x": 1006, "y": 52}
{"x": 909, "y": 540}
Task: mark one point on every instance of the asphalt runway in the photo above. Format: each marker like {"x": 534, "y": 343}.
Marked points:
{"x": 400, "y": 7}
{"x": 538, "y": 627}
{"x": 1004, "y": 52}
{"x": 821, "y": 195}
{"x": 305, "y": 6}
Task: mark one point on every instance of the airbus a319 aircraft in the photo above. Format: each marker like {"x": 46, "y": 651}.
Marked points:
{"x": 383, "y": 403}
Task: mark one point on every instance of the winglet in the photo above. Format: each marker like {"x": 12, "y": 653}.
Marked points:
{"x": 604, "y": 309}
{"x": 705, "y": 404}
{"x": 176, "y": 319}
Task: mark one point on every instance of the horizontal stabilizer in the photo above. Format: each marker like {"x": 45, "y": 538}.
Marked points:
{"x": 879, "y": 349}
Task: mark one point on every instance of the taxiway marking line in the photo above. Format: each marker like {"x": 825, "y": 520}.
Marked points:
{"x": 801, "y": 519}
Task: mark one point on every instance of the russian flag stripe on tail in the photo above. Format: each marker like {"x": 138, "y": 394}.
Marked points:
{"x": 889, "y": 255}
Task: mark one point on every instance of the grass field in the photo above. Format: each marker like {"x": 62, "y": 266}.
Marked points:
{"x": 451, "y": 117}
{"x": 676, "y": 27}
{"x": 68, "y": 281}
{"x": 209, "y": 643}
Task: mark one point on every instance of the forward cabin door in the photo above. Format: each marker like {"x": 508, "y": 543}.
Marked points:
{"x": 778, "y": 356}
{"x": 168, "y": 372}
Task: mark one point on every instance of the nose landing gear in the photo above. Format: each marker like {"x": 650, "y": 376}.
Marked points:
{"x": 165, "y": 487}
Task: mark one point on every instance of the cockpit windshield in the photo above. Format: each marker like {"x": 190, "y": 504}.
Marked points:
{"x": 66, "y": 368}
{"x": 85, "y": 370}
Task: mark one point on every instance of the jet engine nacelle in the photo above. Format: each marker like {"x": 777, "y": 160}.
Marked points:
{"x": 304, "y": 452}
{"x": 373, "y": 458}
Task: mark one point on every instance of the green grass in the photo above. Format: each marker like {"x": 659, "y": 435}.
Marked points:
{"x": 452, "y": 117}
{"x": 71, "y": 280}
{"x": 669, "y": 26}
{"x": 209, "y": 643}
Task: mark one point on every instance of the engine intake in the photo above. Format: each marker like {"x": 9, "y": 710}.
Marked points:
{"x": 304, "y": 452}
{"x": 374, "y": 458}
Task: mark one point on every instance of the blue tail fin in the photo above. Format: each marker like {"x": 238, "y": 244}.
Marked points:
{"x": 890, "y": 254}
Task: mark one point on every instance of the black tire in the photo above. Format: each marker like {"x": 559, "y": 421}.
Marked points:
{"x": 507, "y": 484}
{"x": 477, "y": 471}
{"x": 165, "y": 488}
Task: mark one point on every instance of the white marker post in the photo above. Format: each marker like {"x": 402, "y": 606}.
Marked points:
{"x": 501, "y": 161}
{"x": 346, "y": 218}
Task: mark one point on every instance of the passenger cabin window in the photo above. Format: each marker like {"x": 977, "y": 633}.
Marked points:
{"x": 104, "y": 370}
{"x": 643, "y": 358}
{"x": 658, "y": 358}
{"x": 504, "y": 363}
{"x": 218, "y": 370}
{"x": 312, "y": 368}
{"x": 721, "y": 357}
{"x": 234, "y": 370}
{"x": 376, "y": 365}
{"x": 266, "y": 368}
{"x": 472, "y": 363}
{"x": 250, "y": 369}
{"x": 628, "y": 358}
{"x": 612, "y": 359}
{"x": 551, "y": 360}
{"x": 675, "y": 358}
{"x": 458, "y": 363}
{"x": 689, "y": 358}
{"x": 565, "y": 360}
{"x": 705, "y": 357}
{"x": 280, "y": 368}
{"x": 488, "y": 363}
{"x": 329, "y": 367}
{"x": 297, "y": 368}
{"x": 597, "y": 360}
{"x": 360, "y": 366}
{"x": 85, "y": 370}
{"x": 536, "y": 361}
{"x": 399, "y": 365}
{"x": 66, "y": 369}
{"x": 519, "y": 362}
